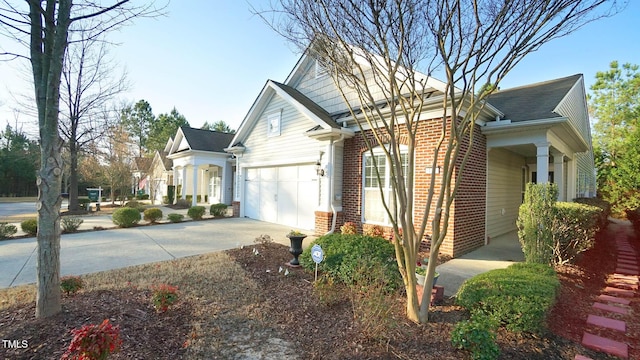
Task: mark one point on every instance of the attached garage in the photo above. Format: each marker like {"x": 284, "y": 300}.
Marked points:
{"x": 286, "y": 195}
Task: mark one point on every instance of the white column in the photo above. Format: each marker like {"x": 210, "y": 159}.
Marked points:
{"x": 558, "y": 174}
{"x": 183, "y": 179}
{"x": 194, "y": 197}
{"x": 542, "y": 163}
{"x": 223, "y": 182}
{"x": 571, "y": 179}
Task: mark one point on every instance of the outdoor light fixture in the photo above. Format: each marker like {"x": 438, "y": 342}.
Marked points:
{"x": 319, "y": 169}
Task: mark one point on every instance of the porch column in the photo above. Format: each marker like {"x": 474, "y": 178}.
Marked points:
{"x": 194, "y": 197}
{"x": 558, "y": 174}
{"x": 571, "y": 179}
{"x": 542, "y": 163}
{"x": 223, "y": 183}
{"x": 183, "y": 179}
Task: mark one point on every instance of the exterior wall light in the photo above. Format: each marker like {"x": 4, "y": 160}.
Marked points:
{"x": 319, "y": 169}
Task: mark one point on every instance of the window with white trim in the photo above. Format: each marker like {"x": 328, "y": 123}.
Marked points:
{"x": 372, "y": 205}
{"x": 273, "y": 124}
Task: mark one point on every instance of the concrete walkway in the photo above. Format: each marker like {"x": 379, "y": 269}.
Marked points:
{"x": 501, "y": 252}
{"x": 94, "y": 251}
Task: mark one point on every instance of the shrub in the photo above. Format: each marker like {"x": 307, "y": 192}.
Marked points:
{"x": 634, "y": 217}
{"x": 152, "y": 215}
{"x": 132, "y": 204}
{"x": 71, "y": 223}
{"x": 600, "y": 203}
{"x": 477, "y": 335}
{"x": 196, "y": 212}
{"x": 171, "y": 192}
{"x": 175, "y": 218}
{"x": 218, "y": 210}
{"x": 535, "y": 222}
{"x": 165, "y": 200}
{"x": 126, "y": 217}
{"x": 164, "y": 296}
{"x": 574, "y": 230}
{"x": 30, "y": 226}
{"x": 7, "y": 230}
{"x": 346, "y": 254}
{"x": 94, "y": 342}
{"x": 183, "y": 204}
{"x": 142, "y": 197}
{"x": 71, "y": 284}
{"x": 373, "y": 230}
{"x": 349, "y": 228}
{"x": 83, "y": 202}
{"x": 519, "y": 296}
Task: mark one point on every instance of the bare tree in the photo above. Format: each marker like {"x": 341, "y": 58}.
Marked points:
{"x": 43, "y": 27}
{"x": 116, "y": 158}
{"x": 88, "y": 87}
{"x": 382, "y": 54}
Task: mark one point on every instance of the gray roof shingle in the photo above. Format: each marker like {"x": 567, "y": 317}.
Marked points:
{"x": 206, "y": 140}
{"x": 533, "y": 102}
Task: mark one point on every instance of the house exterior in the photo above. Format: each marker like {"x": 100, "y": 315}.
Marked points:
{"x": 139, "y": 171}
{"x": 202, "y": 170}
{"x": 301, "y": 161}
{"x": 160, "y": 174}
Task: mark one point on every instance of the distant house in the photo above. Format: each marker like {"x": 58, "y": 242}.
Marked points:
{"x": 300, "y": 157}
{"x": 201, "y": 168}
{"x": 160, "y": 174}
{"x": 139, "y": 171}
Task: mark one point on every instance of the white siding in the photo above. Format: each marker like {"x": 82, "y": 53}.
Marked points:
{"x": 290, "y": 147}
{"x": 504, "y": 191}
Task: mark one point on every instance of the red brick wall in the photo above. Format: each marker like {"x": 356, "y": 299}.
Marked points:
{"x": 236, "y": 208}
{"x": 466, "y": 231}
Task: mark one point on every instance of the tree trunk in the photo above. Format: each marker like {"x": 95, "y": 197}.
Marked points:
{"x": 73, "y": 175}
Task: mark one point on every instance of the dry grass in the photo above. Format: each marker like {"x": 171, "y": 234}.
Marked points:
{"x": 213, "y": 285}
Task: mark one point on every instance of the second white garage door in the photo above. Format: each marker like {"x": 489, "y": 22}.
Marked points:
{"x": 286, "y": 195}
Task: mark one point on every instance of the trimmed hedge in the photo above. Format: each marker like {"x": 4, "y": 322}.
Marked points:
{"x": 535, "y": 222}
{"x": 152, "y": 215}
{"x": 30, "y": 226}
{"x": 346, "y": 255}
{"x": 519, "y": 296}
{"x": 126, "y": 217}
{"x": 196, "y": 212}
{"x": 7, "y": 230}
{"x": 218, "y": 210}
{"x": 175, "y": 217}
{"x": 603, "y": 218}
{"x": 574, "y": 230}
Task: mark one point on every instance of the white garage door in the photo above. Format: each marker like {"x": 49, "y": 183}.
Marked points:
{"x": 286, "y": 195}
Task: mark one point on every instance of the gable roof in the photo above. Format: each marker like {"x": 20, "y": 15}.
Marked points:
{"x": 307, "y": 103}
{"x": 535, "y": 101}
{"x": 206, "y": 140}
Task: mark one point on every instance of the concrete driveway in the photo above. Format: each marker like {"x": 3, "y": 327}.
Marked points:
{"x": 95, "y": 251}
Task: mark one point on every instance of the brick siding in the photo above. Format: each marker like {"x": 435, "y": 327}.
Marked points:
{"x": 467, "y": 223}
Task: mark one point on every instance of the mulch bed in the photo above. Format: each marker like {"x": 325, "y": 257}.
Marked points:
{"x": 318, "y": 329}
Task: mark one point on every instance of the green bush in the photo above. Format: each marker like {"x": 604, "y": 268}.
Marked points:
{"x": 518, "y": 296}
{"x": 345, "y": 255}
{"x": 175, "y": 218}
{"x": 30, "y": 226}
{"x": 171, "y": 192}
{"x": 71, "y": 284}
{"x": 478, "y": 336}
{"x": 574, "y": 230}
{"x": 132, "y": 204}
{"x": 126, "y": 217}
{"x": 189, "y": 198}
{"x": 603, "y": 218}
{"x": 165, "y": 200}
{"x": 142, "y": 197}
{"x": 83, "y": 202}
{"x": 7, "y": 230}
{"x": 218, "y": 210}
{"x": 152, "y": 215}
{"x": 196, "y": 212}
{"x": 535, "y": 222}
{"x": 634, "y": 217}
{"x": 70, "y": 223}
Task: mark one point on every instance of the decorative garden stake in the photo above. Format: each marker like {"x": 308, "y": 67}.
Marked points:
{"x": 295, "y": 237}
{"x": 317, "y": 255}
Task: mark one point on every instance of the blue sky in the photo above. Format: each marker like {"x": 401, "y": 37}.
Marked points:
{"x": 210, "y": 59}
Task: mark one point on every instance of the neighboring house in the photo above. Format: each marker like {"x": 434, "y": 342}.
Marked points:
{"x": 160, "y": 174}
{"x": 139, "y": 174}
{"x": 201, "y": 167}
{"x": 300, "y": 156}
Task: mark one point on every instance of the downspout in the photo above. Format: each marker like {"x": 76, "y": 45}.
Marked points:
{"x": 334, "y": 218}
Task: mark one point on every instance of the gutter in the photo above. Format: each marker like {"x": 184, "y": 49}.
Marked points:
{"x": 334, "y": 218}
